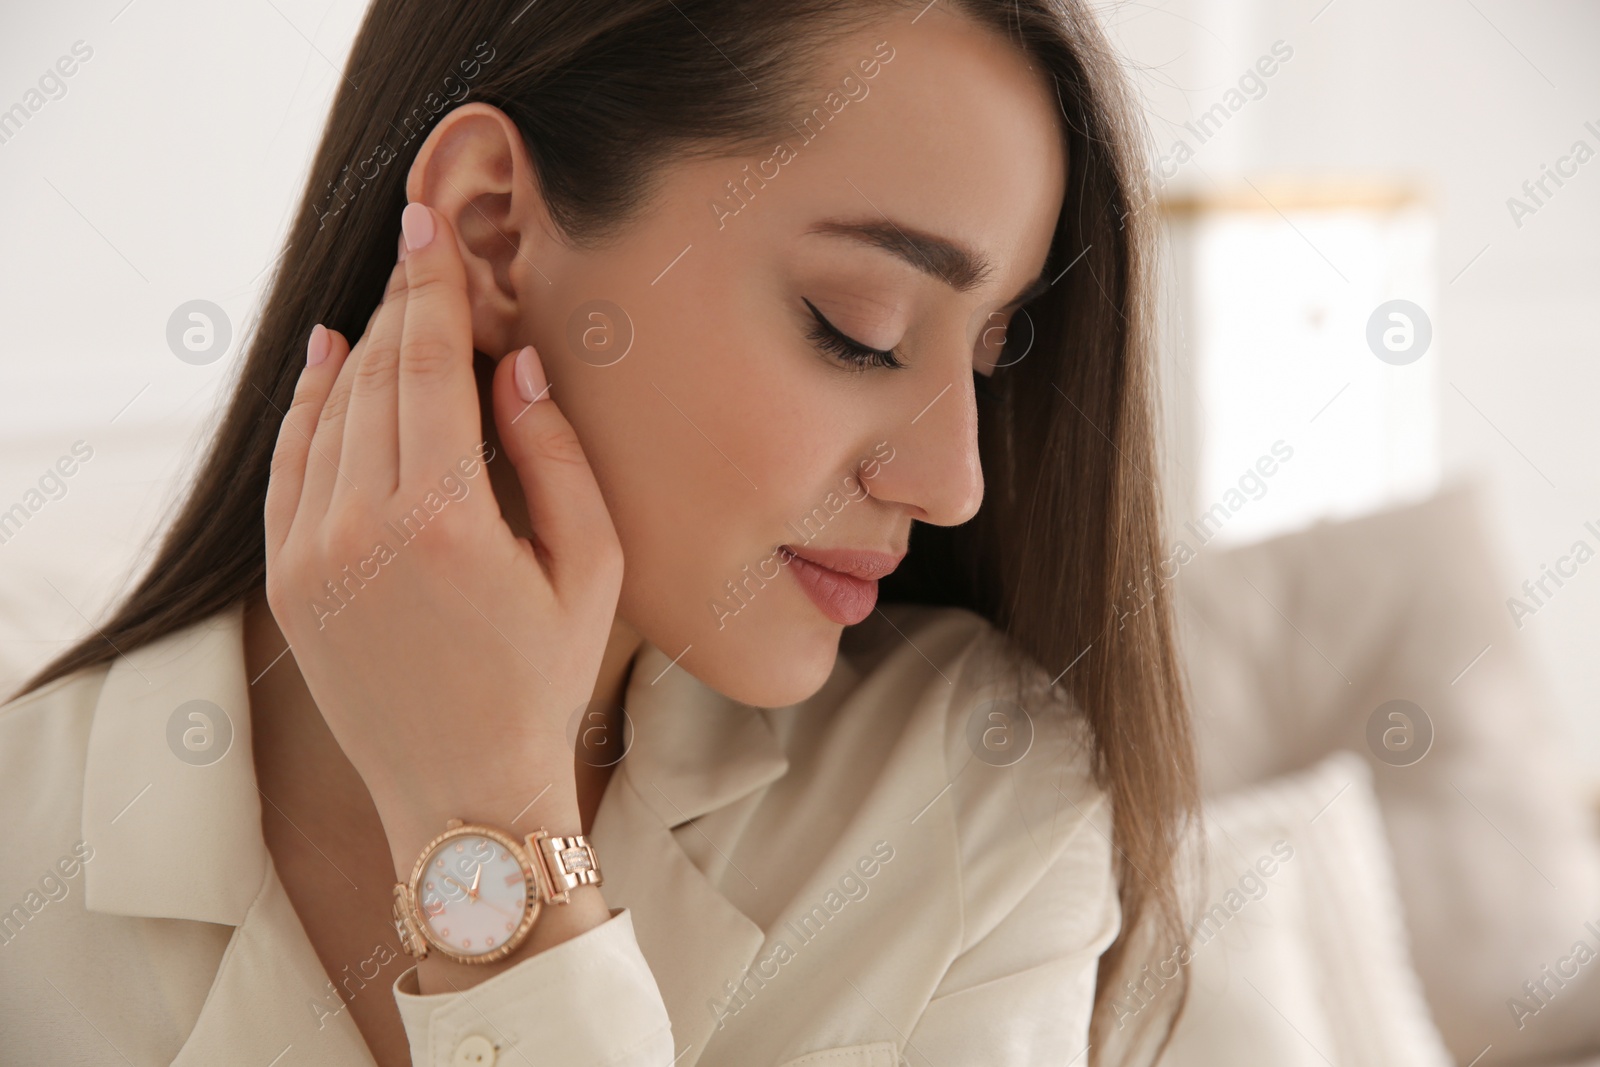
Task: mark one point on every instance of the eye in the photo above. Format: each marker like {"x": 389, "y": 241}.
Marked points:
{"x": 826, "y": 336}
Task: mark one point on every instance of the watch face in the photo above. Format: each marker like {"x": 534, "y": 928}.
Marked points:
{"x": 472, "y": 895}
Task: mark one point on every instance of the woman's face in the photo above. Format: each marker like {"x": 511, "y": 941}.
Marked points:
{"x": 686, "y": 355}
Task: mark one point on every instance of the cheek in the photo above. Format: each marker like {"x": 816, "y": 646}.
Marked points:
{"x": 701, "y": 445}
{"x": 715, "y": 431}
{"x": 704, "y": 459}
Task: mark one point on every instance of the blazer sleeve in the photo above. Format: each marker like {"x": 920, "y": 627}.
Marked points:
{"x": 589, "y": 1000}
{"x": 1022, "y": 994}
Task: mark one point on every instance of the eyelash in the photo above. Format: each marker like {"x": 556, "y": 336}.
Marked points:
{"x": 826, "y": 336}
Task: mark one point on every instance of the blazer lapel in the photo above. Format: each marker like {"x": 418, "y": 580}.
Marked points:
{"x": 171, "y": 808}
{"x": 271, "y": 1001}
{"x": 693, "y": 937}
{"x": 694, "y": 750}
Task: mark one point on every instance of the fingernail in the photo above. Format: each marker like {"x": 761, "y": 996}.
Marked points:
{"x": 317, "y": 347}
{"x": 416, "y": 223}
{"x": 529, "y": 373}
{"x": 402, "y": 243}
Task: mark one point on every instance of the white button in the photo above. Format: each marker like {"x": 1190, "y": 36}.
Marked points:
{"x": 475, "y": 1051}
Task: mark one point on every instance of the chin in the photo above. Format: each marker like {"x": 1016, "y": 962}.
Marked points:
{"x": 785, "y": 668}
{"x": 777, "y": 651}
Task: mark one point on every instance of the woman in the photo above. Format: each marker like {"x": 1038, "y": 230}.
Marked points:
{"x": 701, "y": 319}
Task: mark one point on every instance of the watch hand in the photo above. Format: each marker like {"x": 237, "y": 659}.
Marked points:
{"x": 474, "y": 898}
{"x": 501, "y": 910}
{"x": 470, "y": 894}
{"x": 475, "y": 878}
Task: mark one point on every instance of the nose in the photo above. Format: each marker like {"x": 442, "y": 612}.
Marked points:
{"x": 933, "y": 470}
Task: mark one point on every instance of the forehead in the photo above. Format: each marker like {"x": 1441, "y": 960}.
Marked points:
{"x": 939, "y": 125}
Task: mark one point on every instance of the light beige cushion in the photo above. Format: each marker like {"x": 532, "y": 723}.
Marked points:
{"x": 1299, "y": 954}
{"x": 1292, "y": 644}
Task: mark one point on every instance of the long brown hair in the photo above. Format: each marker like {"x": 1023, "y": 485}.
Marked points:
{"x": 604, "y": 95}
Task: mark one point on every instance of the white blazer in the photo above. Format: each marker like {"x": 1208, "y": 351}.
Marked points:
{"x": 841, "y": 882}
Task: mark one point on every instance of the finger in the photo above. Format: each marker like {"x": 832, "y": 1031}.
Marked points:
{"x": 369, "y": 451}
{"x": 439, "y": 415}
{"x": 326, "y": 351}
{"x": 569, "y": 516}
{"x": 322, "y": 465}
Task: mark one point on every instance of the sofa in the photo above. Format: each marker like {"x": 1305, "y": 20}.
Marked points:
{"x": 1364, "y": 704}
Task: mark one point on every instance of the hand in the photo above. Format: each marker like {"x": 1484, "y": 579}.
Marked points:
{"x": 446, "y": 653}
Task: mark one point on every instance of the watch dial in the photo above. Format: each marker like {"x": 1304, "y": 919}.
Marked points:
{"x": 473, "y": 894}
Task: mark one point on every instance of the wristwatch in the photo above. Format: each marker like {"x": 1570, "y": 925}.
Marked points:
{"x": 476, "y": 890}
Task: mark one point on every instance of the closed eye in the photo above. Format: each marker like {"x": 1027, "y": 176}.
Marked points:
{"x": 826, "y": 336}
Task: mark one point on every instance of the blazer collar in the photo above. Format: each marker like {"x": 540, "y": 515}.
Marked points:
{"x": 694, "y": 750}
{"x": 169, "y": 788}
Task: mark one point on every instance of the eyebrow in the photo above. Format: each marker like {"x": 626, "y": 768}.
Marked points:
{"x": 953, "y": 263}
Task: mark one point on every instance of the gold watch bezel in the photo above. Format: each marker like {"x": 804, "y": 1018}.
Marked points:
{"x": 410, "y": 924}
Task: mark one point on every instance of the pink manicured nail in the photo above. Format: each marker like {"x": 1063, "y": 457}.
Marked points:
{"x": 416, "y": 222}
{"x": 529, "y": 373}
{"x": 317, "y": 347}
{"x": 402, "y": 244}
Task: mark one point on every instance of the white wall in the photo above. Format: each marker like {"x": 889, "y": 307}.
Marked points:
{"x": 162, "y": 170}
{"x": 1466, "y": 98}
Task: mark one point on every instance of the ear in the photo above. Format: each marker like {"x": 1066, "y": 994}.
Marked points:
{"x": 475, "y": 170}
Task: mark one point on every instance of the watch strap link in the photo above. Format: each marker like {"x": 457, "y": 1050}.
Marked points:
{"x": 564, "y": 864}
{"x": 412, "y": 943}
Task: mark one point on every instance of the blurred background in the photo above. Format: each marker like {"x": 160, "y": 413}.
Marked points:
{"x": 1380, "y": 385}
{"x": 1386, "y": 158}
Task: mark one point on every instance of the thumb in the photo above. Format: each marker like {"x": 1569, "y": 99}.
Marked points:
{"x": 567, "y": 512}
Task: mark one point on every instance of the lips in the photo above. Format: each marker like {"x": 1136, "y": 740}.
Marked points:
{"x": 842, "y": 582}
